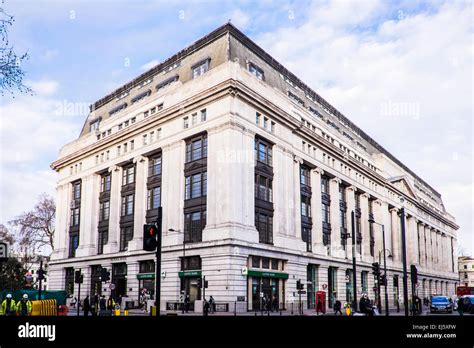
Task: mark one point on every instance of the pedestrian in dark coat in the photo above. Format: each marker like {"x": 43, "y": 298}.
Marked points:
{"x": 319, "y": 306}
{"x": 461, "y": 306}
{"x": 86, "y": 306}
{"x": 337, "y": 307}
{"x": 187, "y": 301}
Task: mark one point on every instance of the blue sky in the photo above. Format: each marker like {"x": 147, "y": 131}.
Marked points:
{"x": 360, "y": 55}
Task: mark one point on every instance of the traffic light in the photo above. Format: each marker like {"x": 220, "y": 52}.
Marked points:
{"x": 206, "y": 283}
{"x": 376, "y": 270}
{"x": 414, "y": 274}
{"x": 383, "y": 280}
{"x": 78, "y": 278}
{"x": 199, "y": 283}
{"x": 150, "y": 235}
{"x": 299, "y": 285}
{"x": 104, "y": 275}
{"x": 41, "y": 274}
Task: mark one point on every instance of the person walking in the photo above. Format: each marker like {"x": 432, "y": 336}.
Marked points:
{"x": 93, "y": 305}
{"x": 24, "y": 306}
{"x": 187, "y": 301}
{"x": 364, "y": 305}
{"x": 102, "y": 306}
{"x": 461, "y": 306}
{"x": 110, "y": 304}
{"x": 205, "y": 311}
{"x": 86, "y": 307}
{"x": 8, "y": 307}
{"x": 212, "y": 304}
{"x": 337, "y": 307}
{"x": 319, "y": 306}
{"x": 274, "y": 304}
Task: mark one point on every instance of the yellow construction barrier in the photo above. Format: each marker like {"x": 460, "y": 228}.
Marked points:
{"x": 153, "y": 311}
{"x": 44, "y": 308}
{"x": 125, "y": 312}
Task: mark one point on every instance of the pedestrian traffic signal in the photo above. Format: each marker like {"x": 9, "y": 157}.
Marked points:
{"x": 299, "y": 285}
{"x": 41, "y": 274}
{"x": 78, "y": 278}
{"x": 383, "y": 280}
{"x": 199, "y": 283}
{"x": 104, "y": 275}
{"x": 150, "y": 235}
{"x": 206, "y": 284}
{"x": 376, "y": 269}
{"x": 414, "y": 274}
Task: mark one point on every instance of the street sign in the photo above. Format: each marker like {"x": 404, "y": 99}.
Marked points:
{"x": 325, "y": 286}
{"x": 245, "y": 270}
{"x": 301, "y": 292}
{"x": 112, "y": 286}
{"x": 3, "y": 251}
{"x": 347, "y": 278}
{"x": 181, "y": 298}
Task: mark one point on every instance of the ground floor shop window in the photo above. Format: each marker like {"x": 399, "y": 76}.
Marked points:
{"x": 96, "y": 282}
{"x": 119, "y": 278}
{"x": 312, "y": 277}
{"x": 332, "y": 285}
{"x": 265, "y": 294}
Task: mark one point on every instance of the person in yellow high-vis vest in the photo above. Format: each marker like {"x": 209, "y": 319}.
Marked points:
{"x": 24, "y": 306}
{"x": 8, "y": 306}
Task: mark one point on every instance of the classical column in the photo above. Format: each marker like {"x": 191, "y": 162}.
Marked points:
{"x": 377, "y": 211}
{"x": 434, "y": 237}
{"x": 317, "y": 230}
{"x": 336, "y": 247}
{"x": 89, "y": 215}
{"x": 297, "y": 162}
{"x": 350, "y": 204}
{"x": 421, "y": 239}
{"x": 364, "y": 223}
{"x": 62, "y": 217}
{"x": 395, "y": 223}
{"x": 412, "y": 240}
{"x": 112, "y": 245}
{"x": 139, "y": 218}
{"x": 429, "y": 251}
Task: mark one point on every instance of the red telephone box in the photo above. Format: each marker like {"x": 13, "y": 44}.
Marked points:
{"x": 320, "y": 296}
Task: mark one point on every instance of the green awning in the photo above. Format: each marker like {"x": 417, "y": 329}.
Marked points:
{"x": 266, "y": 274}
{"x": 145, "y": 276}
{"x": 189, "y": 273}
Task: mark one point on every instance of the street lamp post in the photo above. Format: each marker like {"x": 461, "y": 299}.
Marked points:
{"x": 184, "y": 257}
{"x": 371, "y": 220}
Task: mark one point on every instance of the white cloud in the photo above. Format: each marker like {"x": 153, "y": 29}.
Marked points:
{"x": 150, "y": 64}
{"x": 43, "y": 87}
{"x": 239, "y": 18}
{"x": 423, "y": 61}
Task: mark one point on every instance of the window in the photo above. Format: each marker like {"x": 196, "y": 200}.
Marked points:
{"x": 194, "y": 223}
{"x": 191, "y": 263}
{"x": 186, "y": 122}
{"x": 324, "y": 185}
{"x": 295, "y": 98}
{"x": 76, "y": 190}
{"x": 94, "y": 125}
{"x": 105, "y": 183}
{"x": 195, "y": 185}
{"x": 325, "y": 213}
{"x": 364, "y": 281}
{"x": 104, "y": 210}
{"x": 305, "y": 178}
{"x": 132, "y": 144}
{"x": 257, "y": 119}
{"x": 196, "y": 148}
{"x": 265, "y": 122}
{"x": 194, "y": 119}
{"x": 154, "y": 198}
{"x": 203, "y": 115}
{"x": 145, "y": 136}
{"x": 73, "y": 244}
{"x": 305, "y": 206}
{"x": 126, "y": 235}
{"x": 264, "y": 225}
{"x": 274, "y": 264}
{"x": 154, "y": 166}
{"x": 265, "y": 262}
{"x": 306, "y": 237}
{"x": 103, "y": 239}
{"x": 127, "y": 205}
{"x": 255, "y": 262}
{"x": 263, "y": 152}
{"x": 263, "y": 188}
{"x": 166, "y": 83}
{"x": 200, "y": 68}
{"x": 75, "y": 214}
{"x": 128, "y": 175}
{"x": 272, "y": 127}
{"x": 147, "y": 266}
{"x": 158, "y": 133}
{"x": 256, "y": 71}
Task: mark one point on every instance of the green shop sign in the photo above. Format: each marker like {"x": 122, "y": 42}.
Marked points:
{"x": 141, "y": 276}
{"x": 189, "y": 273}
{"x": 267, "y": 274}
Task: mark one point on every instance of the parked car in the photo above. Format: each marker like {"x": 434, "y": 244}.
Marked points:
{"x": 441, "y": 304}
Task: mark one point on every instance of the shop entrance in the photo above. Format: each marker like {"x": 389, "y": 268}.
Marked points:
{"x": 119, "y": 278}
{"x": 264, "y": 290}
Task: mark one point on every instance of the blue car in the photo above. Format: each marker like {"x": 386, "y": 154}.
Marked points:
{"x": 441, "y": 304}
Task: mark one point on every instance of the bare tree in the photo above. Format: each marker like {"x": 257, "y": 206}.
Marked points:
{"x": 36, "y": 229}
{"x": 6, "y": 236}
{"x": 11, "y": 73}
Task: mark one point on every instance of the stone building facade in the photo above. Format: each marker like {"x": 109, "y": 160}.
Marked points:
{"x": 257, "y": 176}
